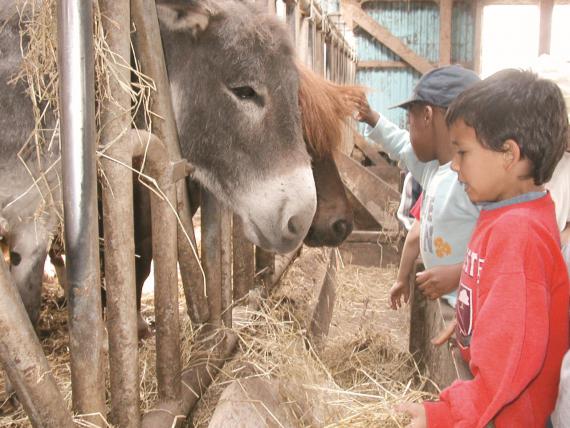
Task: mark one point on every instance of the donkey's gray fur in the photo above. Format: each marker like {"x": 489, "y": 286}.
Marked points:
{"x": 235, "y": 97}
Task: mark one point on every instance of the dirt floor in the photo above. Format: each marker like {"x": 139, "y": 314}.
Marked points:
{"x": 354, "y": 379}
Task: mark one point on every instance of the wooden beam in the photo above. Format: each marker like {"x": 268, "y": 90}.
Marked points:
{"x": 381, "y": 64}
{"x": 378, "y": 197}
{"x": 546, "y": 7}
{"x": 445, "y": 15}
{"x": 385, "y": 36}
{"x": 370, "y": 152}
{"x": 478, "y": 17}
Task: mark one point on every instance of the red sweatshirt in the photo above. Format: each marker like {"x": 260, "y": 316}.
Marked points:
{"x": 512, "y": 321}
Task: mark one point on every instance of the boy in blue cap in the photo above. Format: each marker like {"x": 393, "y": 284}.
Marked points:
{"x": 447, "y": 216}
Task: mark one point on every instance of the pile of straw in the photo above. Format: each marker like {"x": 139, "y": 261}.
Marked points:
{"x": 355, "y": 379}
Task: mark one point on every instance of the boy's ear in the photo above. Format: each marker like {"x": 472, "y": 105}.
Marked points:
{"x": 427, "y": 114}
{"x": 511, "y": 153}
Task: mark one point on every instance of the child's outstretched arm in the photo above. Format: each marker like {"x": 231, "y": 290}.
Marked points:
{"x": 410, "y": 252}
{"x": 439, "y": 280}
{"x": 391, "y": 139}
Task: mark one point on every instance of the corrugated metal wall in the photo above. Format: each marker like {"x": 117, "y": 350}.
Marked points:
{"x": 417, "y": 24}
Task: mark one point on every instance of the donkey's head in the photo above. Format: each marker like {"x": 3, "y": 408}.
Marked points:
{"x": 235, "y": 96}
{"x": 324, "y": 109}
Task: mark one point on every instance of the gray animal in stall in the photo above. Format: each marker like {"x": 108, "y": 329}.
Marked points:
{"x": 235, "y": 89}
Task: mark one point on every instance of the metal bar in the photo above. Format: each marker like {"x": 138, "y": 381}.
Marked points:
{"x": 172, "y": 414}
{"x": 23, "y": 359}
{"x": 166, "y": 295}
{"x": 264, "y": 266}
{"x": 148, "y": 45}
{"x": 77, "y": 106}
{"x": 118, "y": 226}
{"x": 244, "y": 261}
{"x": 226, "y": 266}
{"x": 211, "y": 254}
{"x": 164, "y": 250}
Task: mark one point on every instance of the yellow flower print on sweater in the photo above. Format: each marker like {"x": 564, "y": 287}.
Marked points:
{"x": 442, "y": 248}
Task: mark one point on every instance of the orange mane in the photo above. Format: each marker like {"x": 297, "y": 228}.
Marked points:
{"x": 324, "y": 107}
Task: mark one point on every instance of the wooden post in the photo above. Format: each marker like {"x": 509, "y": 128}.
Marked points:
{"x": 445, "y": 14}
{"x": 546, "y": 7}
{"x": 211, "y": 254}
{"x": 478, "y": 17}
{"x": 442, "y": 364}
{"x": 226, "y": 266}
{"x": 244, "y": 261}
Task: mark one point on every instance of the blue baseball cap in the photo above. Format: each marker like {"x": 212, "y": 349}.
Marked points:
{"x": 440, "y": 86}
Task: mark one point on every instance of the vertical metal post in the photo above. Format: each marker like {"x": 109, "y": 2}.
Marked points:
{"x": 244, "y": 263}
{"x": 168, "y": 366}
{"x": 77, "y": 107}
{"x": 211, "y": 254}
{"x": 23, "y": 359}
{"x": 226, "y": 266}
{"x": 118, "y": 225}
{"x": 150, "y": 54}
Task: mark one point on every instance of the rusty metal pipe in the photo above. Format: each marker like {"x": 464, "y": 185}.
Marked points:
{"x": 23, "y": 359}
{"x": 226, "y": 266}
{"x": 211, "y": 226}
{"x": 164, "y": 250}
{"x": 243, "y": 261}
{"x": 148, "y": 44}
{"x": 77, "y": 107}
{"x": 118, "y": 226}
{"x": 123, "y": 344}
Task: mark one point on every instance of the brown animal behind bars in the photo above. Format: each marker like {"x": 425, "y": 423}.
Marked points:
{"x": 325, "y": 106}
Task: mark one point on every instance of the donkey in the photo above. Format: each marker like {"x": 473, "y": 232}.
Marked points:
{"x": 324, "y": 107}
{"x": 235, "y": 87}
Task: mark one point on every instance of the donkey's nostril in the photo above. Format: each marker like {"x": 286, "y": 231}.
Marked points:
{"x": 341, "y": 228}
{"x": 295, "y": 225}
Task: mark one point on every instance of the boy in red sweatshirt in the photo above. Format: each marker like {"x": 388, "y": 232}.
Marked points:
{"x": 510, "y": 130}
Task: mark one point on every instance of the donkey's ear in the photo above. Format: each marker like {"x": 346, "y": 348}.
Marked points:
{"x": 185, "y": 15}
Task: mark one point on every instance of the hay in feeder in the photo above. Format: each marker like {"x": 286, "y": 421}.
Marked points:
{"x": 354, "y": 380}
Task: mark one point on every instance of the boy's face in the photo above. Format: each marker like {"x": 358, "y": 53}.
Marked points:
{"x": 420, "y": 133}
{"x": 480, "y": 169}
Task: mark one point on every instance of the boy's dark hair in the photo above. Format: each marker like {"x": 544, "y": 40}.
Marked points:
{"x": 517, "y": 105}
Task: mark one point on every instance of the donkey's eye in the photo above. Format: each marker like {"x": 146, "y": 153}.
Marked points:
{"x": 244, "y": 92}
